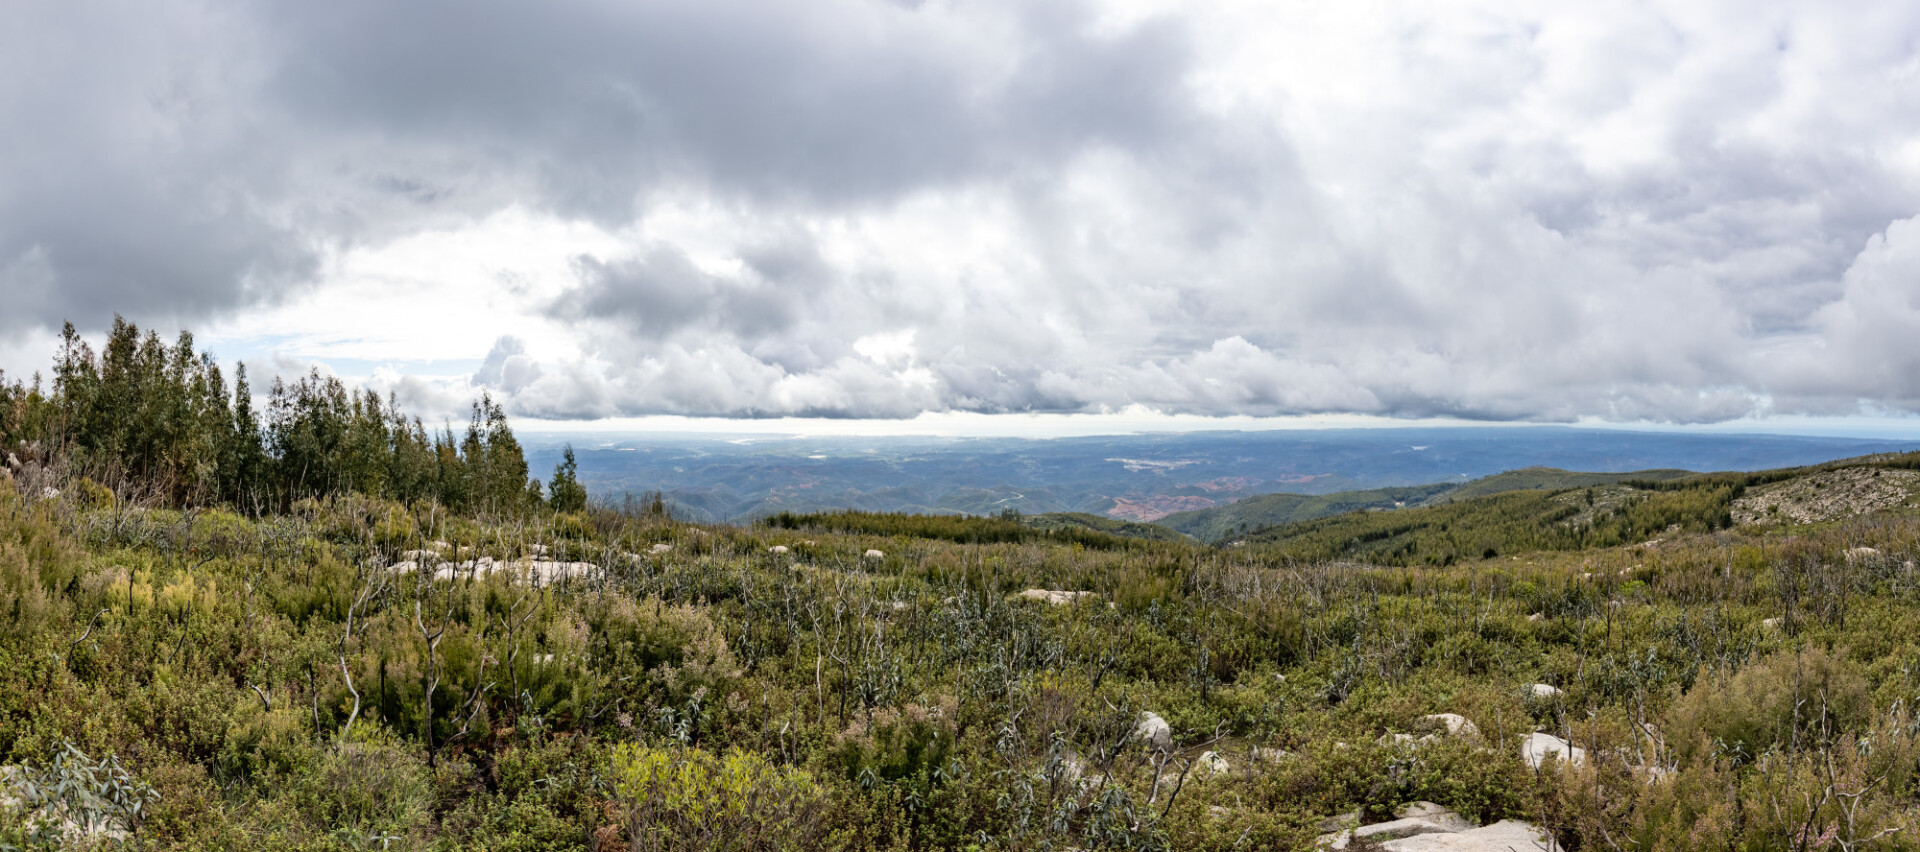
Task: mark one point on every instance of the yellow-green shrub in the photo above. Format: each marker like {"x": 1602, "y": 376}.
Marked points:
{"x": 692, "y": 799}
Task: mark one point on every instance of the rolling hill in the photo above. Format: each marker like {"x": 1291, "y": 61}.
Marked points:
{"x": 1254, "y": 514}
{"x": 1567, "y": 515}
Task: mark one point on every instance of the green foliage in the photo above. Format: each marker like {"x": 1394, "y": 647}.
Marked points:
{"x": 1221, "y": 523}
{"x": 1802, "y": 698}
{"x": 566, "y": 492}
{"x": 1110, "y": 526}
{"x": 1505, "y": 523}
{"x": 691, "y": 799}
{"x": 598, "y": 692}
{"x": 156, "y": 422}
{"x": 76, "y": 797}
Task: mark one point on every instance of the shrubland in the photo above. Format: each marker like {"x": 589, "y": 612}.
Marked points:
{"x": 337, "y": 668}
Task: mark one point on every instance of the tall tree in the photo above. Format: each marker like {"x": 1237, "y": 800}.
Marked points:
{"x": 567, "y": 494}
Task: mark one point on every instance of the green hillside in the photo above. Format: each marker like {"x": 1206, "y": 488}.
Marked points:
{"x": 1267, "y": 510}
{"x": 1551, "y": 478}
{"x": 1109, "y": 526}
{"x": 1254, "y": 514}
{"x": 1629, "y": 509}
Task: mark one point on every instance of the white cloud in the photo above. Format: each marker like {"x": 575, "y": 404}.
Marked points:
{"x": 1488, "y": 210}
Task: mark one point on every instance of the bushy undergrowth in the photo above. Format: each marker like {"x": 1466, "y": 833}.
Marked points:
{"x": 276, "y": 684}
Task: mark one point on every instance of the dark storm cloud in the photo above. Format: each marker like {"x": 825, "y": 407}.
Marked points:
{"x": 862, "y": 208}
{"x": 845, "y": 100}
{"x": 662, "y": 294}
{"x": 174, "y": 161}
{"x": 128, "y": 183}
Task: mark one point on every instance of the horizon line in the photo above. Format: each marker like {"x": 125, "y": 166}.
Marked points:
{"x": 1127, "y": 423}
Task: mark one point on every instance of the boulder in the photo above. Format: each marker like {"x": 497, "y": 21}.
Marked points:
{"x": 1544, "y": 691}
{"x": 1510, "y": 835}
{"x": 1339, "y": 822}
{"x": 1437, "y": 814}
{"x": 1154, "y": 732}
{"x": 1855, "y": 554}
{"x": 1056, "y": 598}
{"x": 778, "y": 548}
{"x": 659, "y": 548}
{"x": 1538, "y": 747}
{"x": 1380, "y": 832}
{"x": 1538, "y": 616}
{"x": 1072, "y": 767}
{"x": 1399, "y": 741}
{"x": 873, "y": 554}
{"x": 544, "y": 571}
{"x": 1271, "y": 755}
{"x": 1770, "y": 623}
{"x": 1211, "y": 764}
{"x": 1455, "y": 724}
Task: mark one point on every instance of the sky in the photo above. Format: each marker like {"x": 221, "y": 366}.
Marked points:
{"x": 991, "y": 213}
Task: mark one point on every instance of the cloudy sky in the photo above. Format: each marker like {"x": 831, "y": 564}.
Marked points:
{"x": 1668, "y": 213}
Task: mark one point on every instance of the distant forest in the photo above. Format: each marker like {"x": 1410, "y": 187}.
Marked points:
{"x": 160, "y": 419}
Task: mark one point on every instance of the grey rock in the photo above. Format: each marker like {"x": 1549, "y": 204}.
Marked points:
{"x": 1455, "y": 724}
{"x": 1538, "y": 747}
{"x": 1211, "y": 764}
{"x": 1154, "y": 732}
{"x": 1505, "y": 836}
{"x": 1380, "y": 831}
{"x": 1437, "y": 814}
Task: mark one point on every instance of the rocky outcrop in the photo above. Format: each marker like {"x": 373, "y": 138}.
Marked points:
{"x": 1211, "y": 764}
{"x": 1153, "y": 732}
{"x": 1427, "y": 827}
{"x": 540, "y": 572}
{"x": 1538, "y": 747}
{"x": 1505, "y": 836}
{"x": 1271, "y": 755}
{"x": 1826, "y": 495}
{"x": 1056, "y": 598}
{"x": 1454, "y": 724}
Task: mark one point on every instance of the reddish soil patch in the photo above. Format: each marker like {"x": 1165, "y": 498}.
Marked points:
{"x": 1156, "y": 507}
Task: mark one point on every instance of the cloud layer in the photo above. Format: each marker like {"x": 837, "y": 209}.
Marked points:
{"x": 858, "y": 208}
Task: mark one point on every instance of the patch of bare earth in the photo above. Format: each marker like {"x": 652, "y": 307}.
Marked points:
{"x": 1154, "y": 508}
{"x": 1827, "y": 495}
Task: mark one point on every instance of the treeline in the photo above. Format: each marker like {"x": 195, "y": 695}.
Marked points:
{"x": 960, "y": 529}
{"x": 158, "y": 420}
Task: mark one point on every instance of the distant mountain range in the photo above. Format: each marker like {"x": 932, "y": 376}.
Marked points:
{"x": 1181, "y": 480}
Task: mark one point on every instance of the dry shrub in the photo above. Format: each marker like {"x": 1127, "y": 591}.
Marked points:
{"x": 1788, "y": 698}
